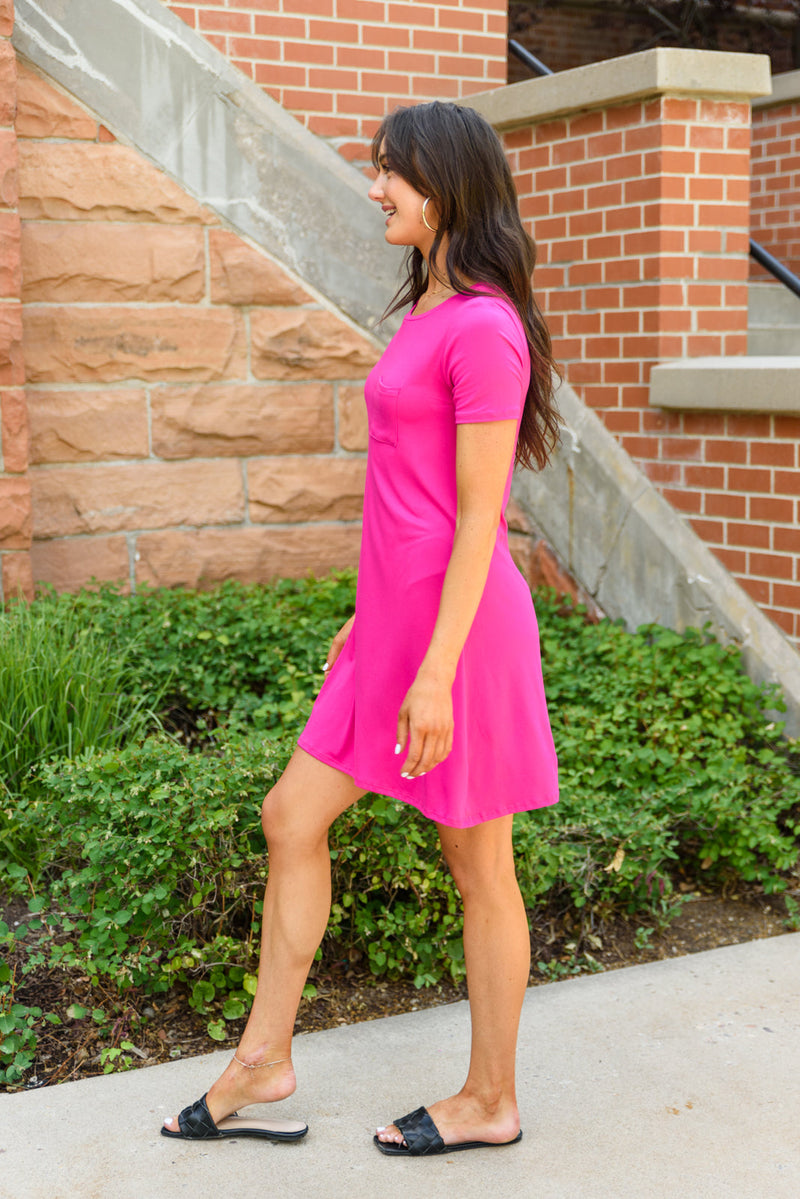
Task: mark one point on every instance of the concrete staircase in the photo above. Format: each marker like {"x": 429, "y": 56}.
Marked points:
{"x": 773, "y": 320}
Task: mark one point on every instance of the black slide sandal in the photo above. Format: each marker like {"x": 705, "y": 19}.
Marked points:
{"x": 423, "y": 1138}
{"x": 196, "y": 1124}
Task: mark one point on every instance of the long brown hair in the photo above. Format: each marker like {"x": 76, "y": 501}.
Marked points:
{"x": 453, "y": 155}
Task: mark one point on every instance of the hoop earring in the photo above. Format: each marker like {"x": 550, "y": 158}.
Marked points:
{"x": 425, "y": 204}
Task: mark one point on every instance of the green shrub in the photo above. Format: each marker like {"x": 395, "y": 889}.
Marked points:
{"x": 152, "y": 859}
{"x": 63, "y": 689}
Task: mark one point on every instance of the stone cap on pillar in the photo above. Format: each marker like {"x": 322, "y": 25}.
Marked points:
{"x": 708, "y": 74}
{"x": 741, "y": 384}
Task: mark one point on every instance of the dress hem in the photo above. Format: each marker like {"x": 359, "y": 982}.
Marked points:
{"x": 378, "y": 789}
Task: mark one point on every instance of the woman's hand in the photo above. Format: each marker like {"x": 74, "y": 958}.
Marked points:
{"x": 426, "y": 722}
{"x": 337, "y": 645}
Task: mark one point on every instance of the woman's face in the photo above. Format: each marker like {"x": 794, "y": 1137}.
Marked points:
{"x": 402, "y": 205}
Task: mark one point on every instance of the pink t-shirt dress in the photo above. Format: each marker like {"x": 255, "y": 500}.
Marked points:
{"x": 464, "y": 361}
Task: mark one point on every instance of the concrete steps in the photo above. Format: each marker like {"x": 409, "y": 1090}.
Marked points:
{"x": 773, "y": 320}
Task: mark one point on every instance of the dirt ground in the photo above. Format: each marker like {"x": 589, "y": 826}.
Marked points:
{"x": 163, "y": 1027}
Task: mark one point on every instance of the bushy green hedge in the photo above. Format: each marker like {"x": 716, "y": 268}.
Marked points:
{"x": 145, "y": 861}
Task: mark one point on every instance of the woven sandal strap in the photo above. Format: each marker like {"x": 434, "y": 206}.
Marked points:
{"x": 420, "y": 1133}
{"x": 197, "y": 1123}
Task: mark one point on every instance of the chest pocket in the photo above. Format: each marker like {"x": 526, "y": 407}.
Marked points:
{"x": 383, "y": 414}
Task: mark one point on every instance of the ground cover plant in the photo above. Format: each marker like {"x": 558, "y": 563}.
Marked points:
{"x": 135, "y": 849}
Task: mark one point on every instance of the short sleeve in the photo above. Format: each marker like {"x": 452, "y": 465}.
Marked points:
{"x": 487, "y": 362}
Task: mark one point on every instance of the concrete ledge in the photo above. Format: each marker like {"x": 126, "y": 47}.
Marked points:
{"x": 751, "y": 384}
{"x": 637, "y": 558}
{"x": 708, "y": 73}
{"x": 785, "y": 90}
{"x": 165, "y": 90}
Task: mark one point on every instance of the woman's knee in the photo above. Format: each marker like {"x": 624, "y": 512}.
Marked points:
{"x": 289, "y": 818}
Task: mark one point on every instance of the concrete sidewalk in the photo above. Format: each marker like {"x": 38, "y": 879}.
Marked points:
{"x": 674, "y": 1080}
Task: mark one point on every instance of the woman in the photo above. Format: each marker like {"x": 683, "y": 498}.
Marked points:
{"x": 433, "y": 692}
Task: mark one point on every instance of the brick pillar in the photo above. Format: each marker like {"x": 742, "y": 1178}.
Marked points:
{"x": 15, "y": 496}
{"x": 641, "y": 212}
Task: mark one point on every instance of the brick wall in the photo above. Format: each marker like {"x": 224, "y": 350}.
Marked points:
{"x": 642, "y": 219}
{"x": 195, "y": 413}
{"x": 340, "y": 65}
{"x": 567, "y": 35}
{"x": 15, "y": 499}
{"x": 775, "y": 198}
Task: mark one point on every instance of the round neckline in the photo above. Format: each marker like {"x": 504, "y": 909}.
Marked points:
{"x": 413, "y": 315}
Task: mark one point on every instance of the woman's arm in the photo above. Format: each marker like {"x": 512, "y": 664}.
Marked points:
{"x": 483, "y": 454}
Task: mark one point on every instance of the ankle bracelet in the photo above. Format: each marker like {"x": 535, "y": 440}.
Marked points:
{"x": 260, "y": 1065}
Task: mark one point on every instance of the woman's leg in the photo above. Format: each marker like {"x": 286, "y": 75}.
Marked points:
{"x": 497, "y": 952}
{"x": 297, "y": 814}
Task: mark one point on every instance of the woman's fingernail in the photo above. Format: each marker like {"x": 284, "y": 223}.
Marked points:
{"x": 397, "y": 748}
{"x": 403, "y": 775}
{"x": 325, "y": 667}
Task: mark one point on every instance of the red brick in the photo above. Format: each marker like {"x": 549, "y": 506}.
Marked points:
{"x": 726, "y": 451}
{"x": 733, "y": 507}
{"x": 734, "y": 560}
{"x": 786, "y": 540}
{"x": 749, "y": 479}
{"x": 87, "y": 425}
{"x": 705, "y": 477}
{"x": 787, "y": 482}
{"x": 756, "y": 536}
{"x": 662, "y": 472}
{"x": 786, "y": 595}
{"x": 710, "y": 530}
{"x": 772, "y": 566}
{"x": 757, "y": 589}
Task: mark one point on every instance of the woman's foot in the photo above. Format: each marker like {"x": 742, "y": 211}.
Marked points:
{"x": 239, "y": 1086}
{"x": 464, "y": 1118}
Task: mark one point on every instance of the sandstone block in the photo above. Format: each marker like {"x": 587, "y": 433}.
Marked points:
{"x": 353, "y": 431}
{"x": 87, "y": 425}
{"x": 44, "y": 111}
{"x": 6, "y": 18}
{"x": 107, "y": 345}
{"x": 72, "y": 562}
{"x": 100, "y": 263}
{"x": 516, "y": 518}
{"x": 242, "y": 420}
{"x": 12, "y": 369}
{"x": 205, "y": 557}
{"x": 306, "y": 488}
{"x": 17, "y": 575}
{"x": 243, "y": 275}
{"x": 142, "y": 495}
{"x": 15, "y": 513}
{"x": 10, "y": 274}
{"x": 100, "y": 182}
{"x": 301, "y": 343}
{"x": 8, "y": 83}
{"x": 14, "y": 431}
{"x": 9, "y": 168}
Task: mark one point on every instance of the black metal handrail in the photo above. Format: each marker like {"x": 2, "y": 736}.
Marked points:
{"x": 775, "y": 267}
{"x": 530, "y": 60}
{"x": 763, "y": 257}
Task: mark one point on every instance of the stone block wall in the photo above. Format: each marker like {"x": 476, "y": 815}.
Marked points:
{"x": 340, "y": 65}
{"x": 195, "y": 413}
{"x": 641, "y": 215}
{"x": 775, "y": 197}
{"x": 15, "y": 495}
